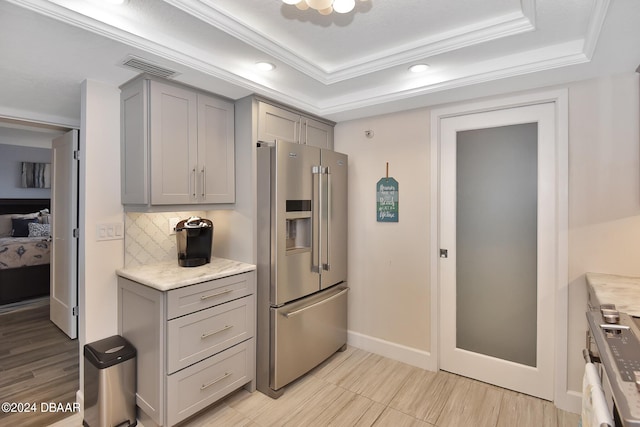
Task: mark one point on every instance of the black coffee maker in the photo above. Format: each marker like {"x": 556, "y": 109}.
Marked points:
{"x": 195, "y": 240}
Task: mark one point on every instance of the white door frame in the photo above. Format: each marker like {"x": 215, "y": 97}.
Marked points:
{"x": 559, "y": 97}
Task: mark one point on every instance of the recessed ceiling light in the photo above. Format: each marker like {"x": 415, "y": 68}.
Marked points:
{"x": 265, "y": 66}
{"x": 418, "y": 68}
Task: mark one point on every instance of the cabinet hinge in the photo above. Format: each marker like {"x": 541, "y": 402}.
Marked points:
{"x": 76, "y": 154}
{"x": 74, "y": 311}
{"x": 76, "y": 233}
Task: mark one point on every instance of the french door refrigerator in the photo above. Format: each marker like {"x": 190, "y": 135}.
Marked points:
{"x": 302, "y": 261}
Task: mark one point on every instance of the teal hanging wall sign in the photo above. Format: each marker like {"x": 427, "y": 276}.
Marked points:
{"x": 387, "y": 199}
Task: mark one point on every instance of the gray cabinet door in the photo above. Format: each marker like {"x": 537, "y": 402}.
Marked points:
{"x": 134, "y": 164}
{"x": 275, "y": 123}
{"x": 174, "y": 158}
{"x": 216, "y": 160}
{"x": 317, "y": 133}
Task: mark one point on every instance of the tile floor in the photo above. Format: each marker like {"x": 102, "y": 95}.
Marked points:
{"x": 357, "y": 388}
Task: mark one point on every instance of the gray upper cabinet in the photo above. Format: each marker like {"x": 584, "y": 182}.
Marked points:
{"x": 216, "y": 150}
{"x": 177, "y": 145}
{"x": 275, "y": 123}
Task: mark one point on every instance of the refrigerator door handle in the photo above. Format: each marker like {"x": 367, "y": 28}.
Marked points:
{"x": 316, "y": 248}
{"x": 327, "y": 265}
{"x": 315, "y": 304}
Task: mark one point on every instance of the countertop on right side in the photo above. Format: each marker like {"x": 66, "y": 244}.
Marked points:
{"x": 623, "y": 291}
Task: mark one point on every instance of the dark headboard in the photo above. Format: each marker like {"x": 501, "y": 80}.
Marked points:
{"x": 8, "y": 206}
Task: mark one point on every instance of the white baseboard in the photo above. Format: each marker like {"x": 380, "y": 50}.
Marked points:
{"x": 411, "y": 356}
{"x": 570, "y": 402}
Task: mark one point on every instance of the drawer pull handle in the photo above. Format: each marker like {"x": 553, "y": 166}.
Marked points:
{"x": 226, "y": 291}
{"x": 205, "y": 386}
{"x": 208, "y": 334}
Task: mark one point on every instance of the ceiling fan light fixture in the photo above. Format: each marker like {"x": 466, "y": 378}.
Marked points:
{"x": 324, "y": 7}
{"x": 343, "y": 6}
{"x": 319, "y": 4}
{"x": 418, "y": 68}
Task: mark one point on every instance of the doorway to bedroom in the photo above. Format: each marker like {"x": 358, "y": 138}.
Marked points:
{"x": 38, "y": 360}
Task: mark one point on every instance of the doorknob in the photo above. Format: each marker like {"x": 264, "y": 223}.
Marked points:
{"x": 444, "y": 253}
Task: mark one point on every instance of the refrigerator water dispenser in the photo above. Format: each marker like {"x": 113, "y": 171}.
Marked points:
{"x": 298, "y": 226}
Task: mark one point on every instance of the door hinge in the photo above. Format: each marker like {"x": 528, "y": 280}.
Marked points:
{"x": 76, "y": 233}
{"x": 76, "y": 154}
{"x": 74, "y": 311}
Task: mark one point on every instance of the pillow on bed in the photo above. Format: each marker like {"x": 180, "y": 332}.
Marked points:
{"x": 39, "y": 230}
{"x": 26, "y": 216}
{"x": 5, "y": 225}
{"x": 21, "y": 226}
{"x": 45, "y": 218}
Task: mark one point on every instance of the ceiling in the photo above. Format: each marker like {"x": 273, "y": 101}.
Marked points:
{"x": 338, "y": 66}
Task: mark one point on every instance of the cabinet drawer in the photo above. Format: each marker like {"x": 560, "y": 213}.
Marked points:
{"x": 198, "y": 386}
{"x": 192, "y": 298}
{"x": 199, "y": 335}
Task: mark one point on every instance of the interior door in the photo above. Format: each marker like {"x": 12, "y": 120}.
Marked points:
{"x": 64, "y": 218}
{"x": 497, "y": 234}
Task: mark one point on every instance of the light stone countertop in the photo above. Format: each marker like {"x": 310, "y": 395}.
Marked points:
{"x": 623, "y": 291}
{"x": 168, "y": 275}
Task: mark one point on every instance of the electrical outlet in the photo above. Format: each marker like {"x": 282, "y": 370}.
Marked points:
{"x": 172, "y": 225}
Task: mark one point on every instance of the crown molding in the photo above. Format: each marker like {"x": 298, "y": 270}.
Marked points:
{"x": 501, "y": 71}
{"x": 596, "y": 22}
{"x": 465, "y": 36}
{"x": 186, "y": 59}
{"x": 570, "y": 53}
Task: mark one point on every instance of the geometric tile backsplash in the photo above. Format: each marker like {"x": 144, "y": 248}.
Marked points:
{"x": 147, "y": 237}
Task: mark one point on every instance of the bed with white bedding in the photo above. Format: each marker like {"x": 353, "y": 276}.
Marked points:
{"x": 25, "y": 249}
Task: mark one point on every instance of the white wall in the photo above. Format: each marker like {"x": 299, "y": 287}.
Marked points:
{"x": 11, "y": 158}
{"x": 604, "y": 193}
{"x": 99, "y": 203}
{"x": 388, "y": 263}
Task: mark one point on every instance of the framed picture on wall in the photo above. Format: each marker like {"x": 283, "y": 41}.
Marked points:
{"x": 36, "y": 175}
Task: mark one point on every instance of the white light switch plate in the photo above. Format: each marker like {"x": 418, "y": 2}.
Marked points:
{"x": 110, "y": 231}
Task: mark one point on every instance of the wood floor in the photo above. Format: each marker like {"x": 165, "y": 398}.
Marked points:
{"x": 356, "y": 388}
{"x": 38, "y": 364}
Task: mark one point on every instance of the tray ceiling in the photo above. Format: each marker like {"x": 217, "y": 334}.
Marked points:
{"x": 340, "y": 66}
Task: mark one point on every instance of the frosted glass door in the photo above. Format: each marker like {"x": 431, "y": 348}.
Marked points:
{"x": 496, "y": 214}
{"x": 497, "y": 224}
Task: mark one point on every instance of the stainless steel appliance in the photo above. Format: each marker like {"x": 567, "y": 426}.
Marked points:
{"x": 194, "y": 238}
{"x": 613, "y": 342}
{"x": 302, "y": 261}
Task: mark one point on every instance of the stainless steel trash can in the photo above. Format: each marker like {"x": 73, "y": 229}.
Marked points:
{"x": 110, "y": 383}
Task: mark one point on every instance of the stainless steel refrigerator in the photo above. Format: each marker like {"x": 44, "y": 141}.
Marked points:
{"x": 302, "y": 261}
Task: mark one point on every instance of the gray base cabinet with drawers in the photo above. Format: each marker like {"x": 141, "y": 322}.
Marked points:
{"x": 195, "y": 344}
